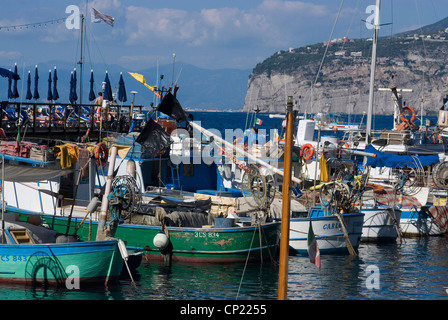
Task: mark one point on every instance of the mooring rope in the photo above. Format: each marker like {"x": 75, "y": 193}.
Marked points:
{"x": 245, "y": 265}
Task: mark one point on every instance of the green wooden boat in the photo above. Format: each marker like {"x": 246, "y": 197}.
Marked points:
{"x": 207, "y": 244}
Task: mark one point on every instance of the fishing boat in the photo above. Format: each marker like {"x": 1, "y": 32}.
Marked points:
{"x": 328, "y": 229}
{"x": 191, "y": 232}
{"x": 381, "y": 223}
{"x": 33, "y": 254}
{"x": 326, "y": 121}
{"x": 173, "y": 239}
{"x": 417, "y": 222}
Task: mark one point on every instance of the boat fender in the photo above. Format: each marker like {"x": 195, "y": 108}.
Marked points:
{"x": 93, "y": 205}
{"x": 123, "y": 250}
{"x": 101, "y": 153}
{"x": 130, "y": 168}
{"x": 34, "y": 219}
{"x": 307, "y": 151}
{"x": 160, "y": 241}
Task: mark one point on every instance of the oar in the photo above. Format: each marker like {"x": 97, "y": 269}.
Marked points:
{"x": 347, "y": 240}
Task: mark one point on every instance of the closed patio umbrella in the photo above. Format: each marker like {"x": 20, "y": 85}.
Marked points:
{"x": 29, "y": 95}
{"x": 49, "y": 94}
{"x": 107, "y": 95}
{"x": 55, "y": 83}
{"x": 36, "y": 85}
{"x": 91, "y": 92}
{"x": 122, "y": 90}
{"x": 15, "y": 93}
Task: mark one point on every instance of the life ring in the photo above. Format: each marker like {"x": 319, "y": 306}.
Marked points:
{"x": 413, "y": 115}
{"x": 307, "y": 151}
{"x": 101, "y": 153}
{"x": 343, "y": 143}
{"x": 403, "y": 126}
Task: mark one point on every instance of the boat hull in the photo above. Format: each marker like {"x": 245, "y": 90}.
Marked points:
{"x": 415, "y": 223}
{"x": 379, "y": 224}
{"x": 328, "y": 233}
{"x": 62, "y": 264}
{"x": 196, "y": 245}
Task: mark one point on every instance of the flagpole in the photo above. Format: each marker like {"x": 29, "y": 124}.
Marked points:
{"x": 286, "y": 204}
{"x": 81, "y": 62}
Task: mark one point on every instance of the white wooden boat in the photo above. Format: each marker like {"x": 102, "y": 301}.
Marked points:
{"x": 416, "y": 222}
{"x": 381, "y": 223}
{"x": 327, "y": 230}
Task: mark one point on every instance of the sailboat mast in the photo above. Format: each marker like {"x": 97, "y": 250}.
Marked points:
{"x": 376, "y": 27}
{"x": 81, "y": 61}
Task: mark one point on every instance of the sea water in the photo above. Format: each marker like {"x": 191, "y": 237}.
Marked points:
{"x": 416, "y": 269}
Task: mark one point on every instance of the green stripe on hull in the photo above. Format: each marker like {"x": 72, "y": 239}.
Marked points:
{"x": 189, "y": 244}
{"x": 58, "y": 263}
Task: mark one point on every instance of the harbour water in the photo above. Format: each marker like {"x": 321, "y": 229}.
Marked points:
{"x": 416, "y": 269}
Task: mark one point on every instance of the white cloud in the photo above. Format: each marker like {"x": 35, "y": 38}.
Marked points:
{"x": 10, "y": 55}
{"x": 272, "y": 23}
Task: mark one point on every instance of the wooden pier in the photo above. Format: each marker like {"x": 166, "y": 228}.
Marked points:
{"x": 61, "y": 121}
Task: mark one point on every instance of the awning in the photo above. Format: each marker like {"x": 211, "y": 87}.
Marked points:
{"x": 398, "y": 161}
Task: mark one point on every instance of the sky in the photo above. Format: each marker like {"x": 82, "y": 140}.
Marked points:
{"x": 210, "y": 34}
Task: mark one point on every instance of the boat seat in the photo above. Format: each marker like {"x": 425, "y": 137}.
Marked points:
{"x": 21, "y": 236}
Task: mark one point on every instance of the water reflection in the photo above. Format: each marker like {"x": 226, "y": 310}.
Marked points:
{"x": 210, "y": 281}
{"x": 415, "y": 269}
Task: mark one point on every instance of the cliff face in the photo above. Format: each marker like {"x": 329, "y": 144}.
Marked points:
{"x": 408, "y": 62}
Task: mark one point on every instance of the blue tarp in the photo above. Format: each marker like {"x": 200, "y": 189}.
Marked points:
{"x": 398, "y": 161}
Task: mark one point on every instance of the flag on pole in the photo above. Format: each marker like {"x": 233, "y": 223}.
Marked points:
{"x": 141, "y": 79}
{"x": 98, "y": 17}
{"x": 313, "y": 248}
{"x": 258, "y": 121}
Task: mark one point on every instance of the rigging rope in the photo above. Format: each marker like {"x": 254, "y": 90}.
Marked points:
{"x": 245, "y": 265}
{"x": 34, "y": 25}
{"x": 325, "y": 53}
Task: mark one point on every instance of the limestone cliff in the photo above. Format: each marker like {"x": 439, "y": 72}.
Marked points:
{"x": 417, "y": 62}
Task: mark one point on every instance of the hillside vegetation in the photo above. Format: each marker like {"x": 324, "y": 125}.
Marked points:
{"x": 412, "y": 60}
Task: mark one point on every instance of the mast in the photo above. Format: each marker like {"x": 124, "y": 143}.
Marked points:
{"x": 376, "y": 27}
{"x": 172, "y": 79}
{"x": 81, "y": 61}
{"x": 286, "y": 204}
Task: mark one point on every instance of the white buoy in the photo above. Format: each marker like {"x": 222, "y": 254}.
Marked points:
{"x": 93, "y": 205}
{"x": 160, "y": 241}
{"x": 123, "y": 250}
{"x": 130, "y": 168}
{"x": 125, "y": 256}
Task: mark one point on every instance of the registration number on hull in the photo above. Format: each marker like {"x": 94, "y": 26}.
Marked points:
{"x": 13, "y": 258}
{"x": 206, "y": 235}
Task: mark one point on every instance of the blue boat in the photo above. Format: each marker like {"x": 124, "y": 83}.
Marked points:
{"x": 35, "y": 255}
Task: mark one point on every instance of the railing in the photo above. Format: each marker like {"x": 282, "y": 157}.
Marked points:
{"x": 62, "y": 118}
